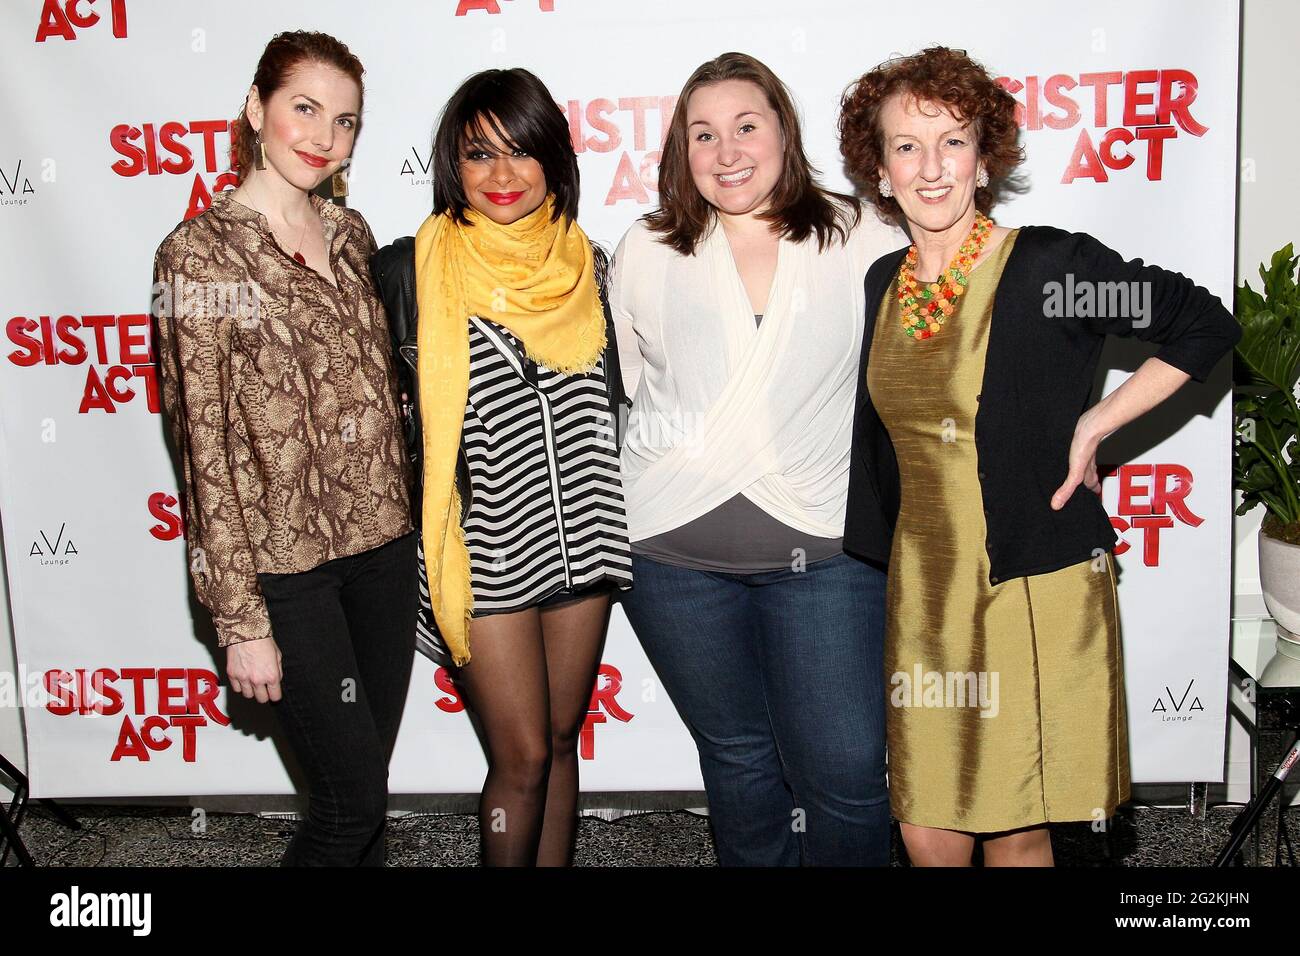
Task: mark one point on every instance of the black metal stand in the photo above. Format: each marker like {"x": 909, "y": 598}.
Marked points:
{"x": 11, "y": 817}
{"x": 1249, "y": 817}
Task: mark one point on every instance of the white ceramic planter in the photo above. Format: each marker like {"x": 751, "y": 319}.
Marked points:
{"x": 1279, "y": 576}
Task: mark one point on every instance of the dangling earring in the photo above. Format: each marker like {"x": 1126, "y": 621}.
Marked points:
{"x": 886, "y": 189}
{"x": 261, "y": 149}
{"x": 339, "y": 181}
{"x": 982, "y": 178}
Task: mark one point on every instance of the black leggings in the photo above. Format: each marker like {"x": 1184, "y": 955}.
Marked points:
{"x": 346, "y": 631}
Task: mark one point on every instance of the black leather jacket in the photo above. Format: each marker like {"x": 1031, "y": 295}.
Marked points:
{"x": 393, "y": 268}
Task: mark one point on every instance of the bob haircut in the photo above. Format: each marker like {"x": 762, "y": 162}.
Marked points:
{"x": 517, "y": 106}
{"x": 799, "y": 205}
{"x": 939, "y": 76}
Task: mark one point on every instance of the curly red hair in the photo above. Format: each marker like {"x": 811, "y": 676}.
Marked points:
{"x": 937, "y": 75}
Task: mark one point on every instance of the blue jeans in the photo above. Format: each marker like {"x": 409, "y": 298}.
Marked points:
{"x": 779, "y": 677}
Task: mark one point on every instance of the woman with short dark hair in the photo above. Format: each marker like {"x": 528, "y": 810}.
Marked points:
{"x": 742, "y": 298}
{"x": 513, "y": 367}
{"x": 975, "y": 477}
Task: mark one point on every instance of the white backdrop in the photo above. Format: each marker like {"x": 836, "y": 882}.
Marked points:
{"x": 116, "y": 115}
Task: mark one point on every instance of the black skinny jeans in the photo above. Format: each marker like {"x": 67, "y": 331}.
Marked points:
{"x": 346, "y": 632}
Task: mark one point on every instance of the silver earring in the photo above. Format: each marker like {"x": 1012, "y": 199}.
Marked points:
{"x": 982, "y": 178}
{"x": 886, "y": 189}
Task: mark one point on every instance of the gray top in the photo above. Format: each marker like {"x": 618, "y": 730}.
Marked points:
{"x": 737, "y": 537}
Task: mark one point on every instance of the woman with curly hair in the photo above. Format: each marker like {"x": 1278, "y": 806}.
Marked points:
{"x": 974, "y": 471}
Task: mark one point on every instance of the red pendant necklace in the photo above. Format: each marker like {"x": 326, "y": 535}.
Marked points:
{"x": 297, "y": 254}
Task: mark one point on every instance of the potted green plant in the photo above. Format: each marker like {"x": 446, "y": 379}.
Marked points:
{"x": 1266, "y": 459}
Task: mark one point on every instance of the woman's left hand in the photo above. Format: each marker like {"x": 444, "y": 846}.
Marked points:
{"x": 1083, "y": 461}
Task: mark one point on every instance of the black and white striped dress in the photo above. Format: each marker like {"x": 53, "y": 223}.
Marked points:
{"x": 546, "y": 512}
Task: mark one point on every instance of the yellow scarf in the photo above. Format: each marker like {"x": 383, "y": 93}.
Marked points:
{"x": 535, "y": 277}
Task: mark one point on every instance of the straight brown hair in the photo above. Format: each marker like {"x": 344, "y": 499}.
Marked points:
{"x": 800, "y": 206}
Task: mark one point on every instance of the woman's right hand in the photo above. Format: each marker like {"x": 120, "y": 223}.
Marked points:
{"x": 253, "y": 668}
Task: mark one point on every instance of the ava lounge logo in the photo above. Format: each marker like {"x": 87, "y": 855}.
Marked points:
{"x": 53, "y": 550}
{"x": 16, "y": 187}
{"x": 418, "y": 169}
{"x": 1178, "y": 707}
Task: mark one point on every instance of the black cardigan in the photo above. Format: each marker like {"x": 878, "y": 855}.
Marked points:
{"x": 1038, "y": 377}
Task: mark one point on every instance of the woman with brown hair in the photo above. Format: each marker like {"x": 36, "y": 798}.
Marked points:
{"x": 974, "y": 471}
{"x": 741, "y": 305}
{"x": 283, "y": 412}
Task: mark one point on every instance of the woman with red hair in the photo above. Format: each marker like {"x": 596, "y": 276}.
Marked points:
{"x": 974, "y": 471}
{"x": 284, "y": 415}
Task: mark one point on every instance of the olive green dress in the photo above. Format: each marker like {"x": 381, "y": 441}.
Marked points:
{"x": 1006, "y": 700}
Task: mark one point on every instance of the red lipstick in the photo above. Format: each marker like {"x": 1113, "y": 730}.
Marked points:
{"x": 311, "y": 159}
{"x": 504, "y": 199}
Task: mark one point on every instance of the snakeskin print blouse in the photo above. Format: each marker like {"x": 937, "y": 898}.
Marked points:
{"x": 281, "y": 394}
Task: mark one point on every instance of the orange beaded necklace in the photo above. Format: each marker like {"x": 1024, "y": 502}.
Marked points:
{"x": 925, "y": 307}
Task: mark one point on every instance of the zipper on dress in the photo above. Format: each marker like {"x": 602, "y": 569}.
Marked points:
{"x": 528, "y": 370}
{"x": 553, "y": 464}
